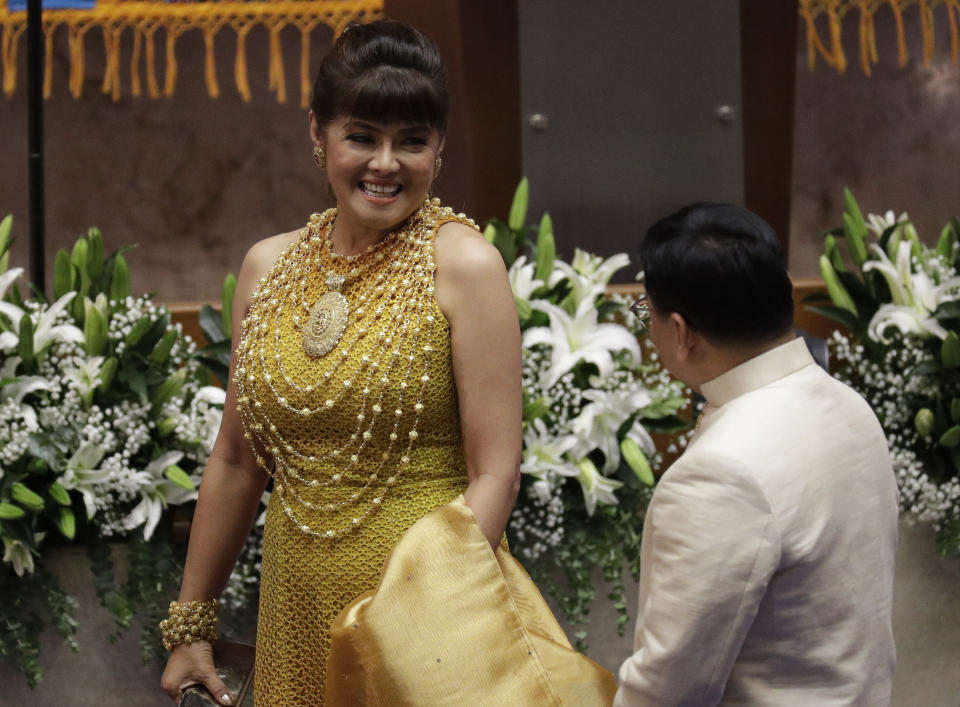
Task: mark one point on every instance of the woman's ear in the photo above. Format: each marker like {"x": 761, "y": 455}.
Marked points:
{"x": 316, "y": 134}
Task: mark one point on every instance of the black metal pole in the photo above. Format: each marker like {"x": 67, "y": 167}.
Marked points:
{"x": 35, "y": 139}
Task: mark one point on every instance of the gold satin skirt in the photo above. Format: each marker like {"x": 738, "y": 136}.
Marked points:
{"x": 453, "y": 623}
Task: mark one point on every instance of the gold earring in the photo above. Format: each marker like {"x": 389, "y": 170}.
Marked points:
{"x": 320, "y": 157}
{"x": 436, "y": 167}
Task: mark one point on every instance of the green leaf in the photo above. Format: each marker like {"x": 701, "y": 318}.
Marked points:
{"x": 59, "y": 494}
{"x": 211, "y": 323}
{"x": 166, "y": 390}
{"x": 62, "y": 274}
{"x": 161, "y": 352}
{"x": 120, "y": 282}
{"x": 637, "y": 461}
{"x": 67, "y": 523}
{"x": 226, "y": 303}
{"x": 950, "y": 350}
{"x": 955, "y": 409}
{"x": 518, "y": 208}
{"x": 951, "y": 438}
{"x": 546, "y": 249}
{"x": 137, "y": 331}
{"x": 947, "y": 310}
{"x": 107, "y": 373}
{"x": 925, "y": 368}
{"x": 179, "y": 477}
{"x": 490, "y": 233}
{"x": 841, "y": 316}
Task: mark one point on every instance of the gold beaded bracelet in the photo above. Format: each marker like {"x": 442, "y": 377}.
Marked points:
{"x": 190, "y": 621}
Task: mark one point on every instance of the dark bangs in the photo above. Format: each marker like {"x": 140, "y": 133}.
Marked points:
{"x": 389, "y": 94}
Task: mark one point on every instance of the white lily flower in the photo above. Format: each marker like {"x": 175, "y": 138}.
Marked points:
{"x": 916, "y": 296}
{"x": 19, "y": 554}
{"x": 522, "y": 281}
{"x": 579, "y": 338}
{"x": 879, "y": 224}
{"x": 596, "y": 487}
{"x": 19, "y": 387}
{"x": 45, "y": 330}
{"x": 543, "y": 453}
{"x": 157, "y": 492}
{"x": 211, "y": 394}
{"x": 596, "y": 426}
{"x": 86, "y": 377}
{"x": 82, "y": 475}
{"x": 588, "y": 275}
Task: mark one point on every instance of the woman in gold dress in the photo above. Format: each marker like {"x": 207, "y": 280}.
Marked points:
{"x": 376, "y": 378}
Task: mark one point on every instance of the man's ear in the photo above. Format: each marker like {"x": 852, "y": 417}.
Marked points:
{"x": 686, "y": 338}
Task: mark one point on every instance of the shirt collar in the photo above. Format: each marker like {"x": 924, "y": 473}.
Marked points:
{"x": 757, "y": 372}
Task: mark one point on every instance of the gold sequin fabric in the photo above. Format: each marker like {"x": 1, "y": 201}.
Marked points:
{"x": 361, "y": 442}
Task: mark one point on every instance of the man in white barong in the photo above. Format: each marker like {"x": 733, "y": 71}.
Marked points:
{"x": 768, "y": 548}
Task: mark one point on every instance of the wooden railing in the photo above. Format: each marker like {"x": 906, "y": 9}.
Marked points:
{"x": 186, "y": 313}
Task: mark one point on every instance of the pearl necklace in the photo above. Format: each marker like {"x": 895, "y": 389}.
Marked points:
{"x": 395, "y": 309}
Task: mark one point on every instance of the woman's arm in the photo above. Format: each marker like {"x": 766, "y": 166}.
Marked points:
{"x": 475, "y": 296}
{"x": 227, "y": 503}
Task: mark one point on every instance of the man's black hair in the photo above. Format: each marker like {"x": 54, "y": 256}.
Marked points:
{"x": 722, "y": 268}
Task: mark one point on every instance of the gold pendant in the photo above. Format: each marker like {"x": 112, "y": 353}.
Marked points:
{"x": 327, "y": 321}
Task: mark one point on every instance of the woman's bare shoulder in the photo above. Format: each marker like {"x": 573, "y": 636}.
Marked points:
{"x": 260, "y": 259}
{"x": 460, "y": 249}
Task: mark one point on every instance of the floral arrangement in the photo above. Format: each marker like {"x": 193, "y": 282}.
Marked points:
{"x": 900, "y": 302}
{"x": 106, "y": 419}
{"x": 593, "y": 395}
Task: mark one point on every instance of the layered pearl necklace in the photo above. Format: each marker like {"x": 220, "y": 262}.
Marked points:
{"x": 394, "y": 308}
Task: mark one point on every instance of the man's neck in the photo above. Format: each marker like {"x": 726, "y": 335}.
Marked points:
{"x": 718, "y": 359}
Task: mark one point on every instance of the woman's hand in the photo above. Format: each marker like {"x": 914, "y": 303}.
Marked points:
{"x": 193, "y": 665}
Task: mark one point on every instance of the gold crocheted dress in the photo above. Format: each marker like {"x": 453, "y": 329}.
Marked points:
{"x": 364, "y": 438}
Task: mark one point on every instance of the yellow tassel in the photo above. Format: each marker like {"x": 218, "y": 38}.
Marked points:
{"x": 240, "y": 63}
{"x": 153, "y": 88}
{"x": 135, "y": 61}
{"x": 305, "y": 66}
{"x": 926, "y": 24}
{"x": 48, "y": 31}
{"x": 9, "y": 51}
{"x": 278, "y": 78}
{"x": 75, "y": 41}
{"x": 836, "y": 41}
{"x": 864, "y": 40}
{"x": 954, "y": 39}
{"x": 213, "y": 88}
{"x": 111, "y": 73}
{"x": 170, "y": 77}
{"x": 901, "y": 38}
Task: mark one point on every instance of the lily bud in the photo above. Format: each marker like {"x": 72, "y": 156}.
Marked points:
{"x": 924, "y": 422}
{"x": 637, "y": 461}
{"x": 546, "y": 249}
{"x": 226, "y": 304}
{"x": 26, "y": 498}
{"x": 950, "y": 351}
{"x": 951, "y": 438}
{"x": 518, "y": 209}
{"x": 179, "y": 477}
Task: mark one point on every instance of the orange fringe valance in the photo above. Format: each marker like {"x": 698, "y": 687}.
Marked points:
{"x": 146, "y": 17}
{"x": 834, "y": 11}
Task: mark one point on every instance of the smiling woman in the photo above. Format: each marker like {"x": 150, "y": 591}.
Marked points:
{"x": 378, "y": 396}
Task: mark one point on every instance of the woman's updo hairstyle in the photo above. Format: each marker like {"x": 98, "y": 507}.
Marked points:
{"x": 385, "y": 72}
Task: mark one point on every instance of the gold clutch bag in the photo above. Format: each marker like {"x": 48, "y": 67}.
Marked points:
{"x": 234, "y": 663}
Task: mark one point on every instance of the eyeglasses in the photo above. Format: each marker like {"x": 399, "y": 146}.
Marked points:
{"x": 641, "y": 310}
